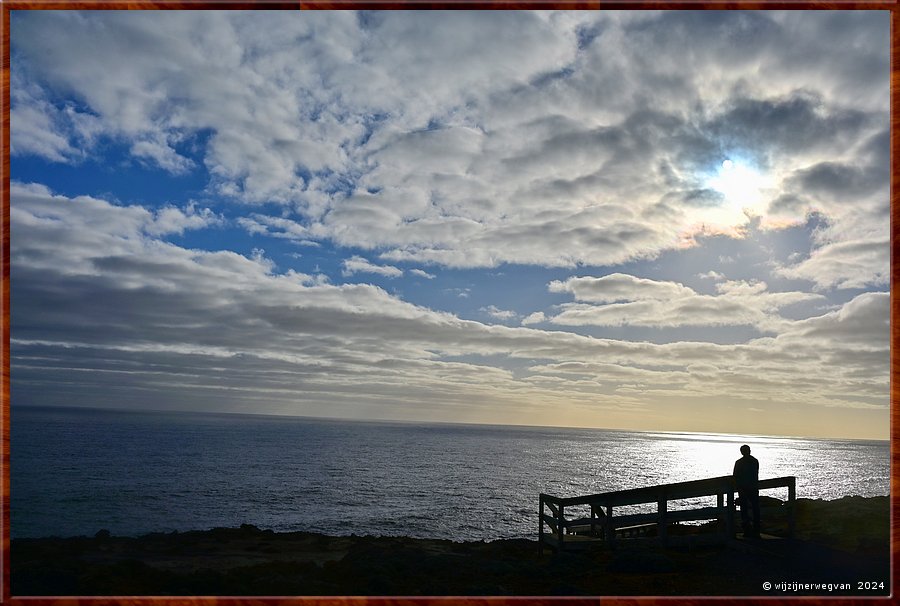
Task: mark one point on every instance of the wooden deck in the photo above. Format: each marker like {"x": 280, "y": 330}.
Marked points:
{"x": 599, "y": 523}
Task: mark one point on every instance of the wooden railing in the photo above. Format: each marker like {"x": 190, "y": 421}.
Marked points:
{"x": 603, "y": 524}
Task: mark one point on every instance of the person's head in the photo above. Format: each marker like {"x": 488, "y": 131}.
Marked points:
{"x": 745, "y": 450}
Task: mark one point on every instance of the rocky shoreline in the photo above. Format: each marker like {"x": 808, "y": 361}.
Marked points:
{"x": 844, "y": 543}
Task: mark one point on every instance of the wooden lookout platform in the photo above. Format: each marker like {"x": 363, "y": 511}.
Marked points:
{"x": 604, "y": 518}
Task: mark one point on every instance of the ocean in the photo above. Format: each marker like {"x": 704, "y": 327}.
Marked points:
{"x": 76, "y": 471}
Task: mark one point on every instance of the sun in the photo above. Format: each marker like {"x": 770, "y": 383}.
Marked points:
{"x": 742, "y": 186}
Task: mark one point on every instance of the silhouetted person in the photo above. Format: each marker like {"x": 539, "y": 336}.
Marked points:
{"x": 746, "y": 478}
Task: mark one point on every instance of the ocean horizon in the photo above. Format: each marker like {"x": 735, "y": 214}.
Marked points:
{"x": 75, "y": 471}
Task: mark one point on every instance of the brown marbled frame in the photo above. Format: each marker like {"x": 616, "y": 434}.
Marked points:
{"x": 8, "y": 5}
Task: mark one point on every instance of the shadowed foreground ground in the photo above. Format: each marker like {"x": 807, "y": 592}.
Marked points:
{"x": 844, "y": 541}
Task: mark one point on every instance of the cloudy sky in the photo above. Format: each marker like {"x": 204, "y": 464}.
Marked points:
{"x": 644, "y": 220}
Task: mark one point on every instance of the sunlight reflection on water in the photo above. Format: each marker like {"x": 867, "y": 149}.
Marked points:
{"x": 74, "y": 472}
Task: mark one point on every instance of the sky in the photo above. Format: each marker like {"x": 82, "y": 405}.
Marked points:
{"x": 666, "y": 221}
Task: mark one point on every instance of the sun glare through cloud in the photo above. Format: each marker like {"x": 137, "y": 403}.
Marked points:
{"x": 744, "y": 189}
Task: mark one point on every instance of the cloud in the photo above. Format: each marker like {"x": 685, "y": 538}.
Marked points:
{"x": 95, "y": 225}
{"x": 40, "y": 128}
{"x": 499, "y": 314}
{"x": 625, "y": 300}
{"x": 162, "y": 155}
{"x": 849, "y": 264}
{"x": 422, "y": 274}
{"x": 711, "y": 275}
{"x": 785, "y": 368}
{"x": 462, "y": 293}
{"x": 863, "y": 323}
{"x": 619, "y": 287}
{"x": 36, "y": 134}
{"x": 357, "y": 264}
{"x": 584, "y": 140}
{"x": 838, "y": 180}
{"x": 851, "y": 249}
{"x": 533, "y": 318}
{"x": 105, "y": 311}
{"x": 172, "y": 220}
{"x": 799, "y": 122}
{"x": 563, "y": 149}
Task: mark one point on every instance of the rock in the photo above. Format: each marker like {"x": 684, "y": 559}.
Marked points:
{"x": 102, "y": 534}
